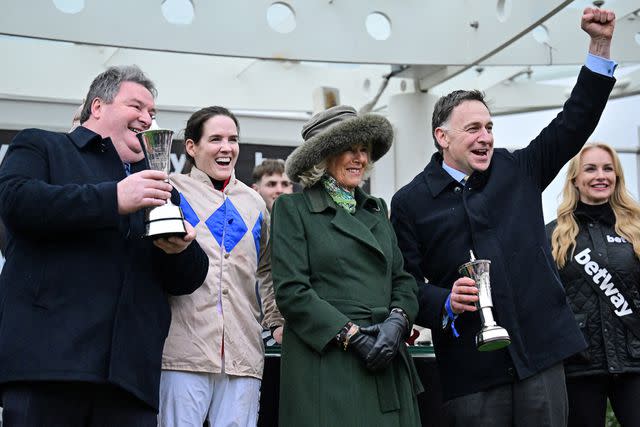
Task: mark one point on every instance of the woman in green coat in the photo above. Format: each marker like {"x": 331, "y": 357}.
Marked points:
{"x": 340, "y": 284}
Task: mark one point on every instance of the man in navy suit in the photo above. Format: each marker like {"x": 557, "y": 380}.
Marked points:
{"x": 474, "y": 197}
{"x": 83, "y": 297}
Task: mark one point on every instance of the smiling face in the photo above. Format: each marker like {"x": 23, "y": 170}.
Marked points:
{"x": 596, "y": 178}
{"x": 348, "y": 167}
{"x": 467, "y": 137}
{"x": 130, "y": 112}
{"x": 216, "y": 153}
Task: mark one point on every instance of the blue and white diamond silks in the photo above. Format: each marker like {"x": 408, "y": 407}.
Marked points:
{"x": 226, "y": 223}
{"x": 256, "y": 234}
{"x": 189, "y": 213}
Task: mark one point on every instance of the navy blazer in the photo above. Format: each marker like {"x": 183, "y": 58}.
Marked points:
{"x": 82, "y": 296}
{"x": 498, "y": 215}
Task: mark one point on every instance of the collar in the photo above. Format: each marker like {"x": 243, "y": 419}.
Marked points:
{"x": 438, "y": 179}
{"x": 82, "y": 136}
{"x": 602, "y": 213}
{"x": 455, "y": 173}
{"x": 319, "y": 200}
{"x": 200, "y": 176}
{"x": 359, "y": 225}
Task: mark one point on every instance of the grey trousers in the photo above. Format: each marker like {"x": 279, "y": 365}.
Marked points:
{"x": 538, "y": 401}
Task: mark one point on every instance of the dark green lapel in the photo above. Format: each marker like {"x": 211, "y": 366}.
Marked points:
{"x": 358, "y": 228}
{"x": 368, "y": 211}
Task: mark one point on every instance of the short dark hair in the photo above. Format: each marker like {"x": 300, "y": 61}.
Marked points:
{"x": 268, "y": 167}
{"x": 445, "y": 105}
{"x": 107, "y": 84}
{"x": 193, "y": 130}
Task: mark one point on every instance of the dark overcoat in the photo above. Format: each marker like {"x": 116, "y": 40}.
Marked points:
{"x": 330, "y": 267}
{"x": 82, "y": 295}
{"x": 498, "y": 215}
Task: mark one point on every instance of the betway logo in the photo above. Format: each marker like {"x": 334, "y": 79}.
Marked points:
{"x": 602, "y": 278}
{"x": 616, "y": 239}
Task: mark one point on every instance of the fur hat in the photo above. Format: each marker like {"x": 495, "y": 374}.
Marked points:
{"x": 335, "y": 130}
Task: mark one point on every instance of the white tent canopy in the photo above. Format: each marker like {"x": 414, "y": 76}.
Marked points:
{"x": 266, "y": 59}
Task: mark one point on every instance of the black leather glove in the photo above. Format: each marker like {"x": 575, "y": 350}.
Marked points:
{"x": 390, "y": 335}
{"x": 362, "y": 344}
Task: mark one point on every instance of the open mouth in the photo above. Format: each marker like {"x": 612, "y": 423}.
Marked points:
{"x": 600, "y": 186}
{"x": 482, "y": 152}
{"x": 355, "y": 171}
{"x": 134, "y": 130}
{"x": 223, "y": 161}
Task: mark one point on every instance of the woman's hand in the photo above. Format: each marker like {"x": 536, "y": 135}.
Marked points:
{"x": 175, "y": 244}
{"x": 390, "y": 335}
{"x": 277, "y": 334}
{"x": 362, "y": 344}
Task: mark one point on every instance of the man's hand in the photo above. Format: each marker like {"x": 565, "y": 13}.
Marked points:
{"x": 464, "y": 294}
{"x": 175, "y": 244}
{"x": 142, "y": 190}
{"x": 599, "y": 24}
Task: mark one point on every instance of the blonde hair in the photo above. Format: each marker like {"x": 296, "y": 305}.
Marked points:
{"x": 625, "y": 208}
{"x": 313, "y": 174}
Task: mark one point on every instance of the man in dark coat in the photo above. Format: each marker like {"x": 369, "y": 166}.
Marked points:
{"x": 3, "y": 243}
{"x": 83, "y": 298}
{"x": 470, "y": 197}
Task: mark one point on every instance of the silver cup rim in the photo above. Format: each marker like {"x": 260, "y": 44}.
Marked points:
{"x": 464, "y": 266}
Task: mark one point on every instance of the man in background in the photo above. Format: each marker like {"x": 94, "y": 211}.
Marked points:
{"x": 270, "y": 181}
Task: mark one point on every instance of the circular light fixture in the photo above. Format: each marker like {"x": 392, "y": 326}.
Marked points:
{"x": 69, "y": 6}
{"x": 540, "y": 34}
{"x": 179, "y": 12}
{"x": 281, "y": 18}
{"x": 378, "y": 26}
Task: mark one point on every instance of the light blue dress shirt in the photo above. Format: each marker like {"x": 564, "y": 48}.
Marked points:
{"x": 455, "y": 173}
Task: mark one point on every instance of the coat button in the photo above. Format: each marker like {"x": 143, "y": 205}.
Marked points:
{"x": 225, "y": 291}
{"x": 510, "y": 371}
{"x": 457, "y": 190}
{"x": 590, "y": 224}
{"x": 226, "y": 255}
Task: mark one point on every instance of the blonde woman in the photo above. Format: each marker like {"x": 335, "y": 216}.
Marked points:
{"x": 595, "y": 242}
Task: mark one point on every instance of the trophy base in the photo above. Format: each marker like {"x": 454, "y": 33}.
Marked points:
{"x": 165, "y": 221}
{"x": 492, "y": 338}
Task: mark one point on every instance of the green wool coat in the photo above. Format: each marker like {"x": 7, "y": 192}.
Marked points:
{"x": 330, "y": 267}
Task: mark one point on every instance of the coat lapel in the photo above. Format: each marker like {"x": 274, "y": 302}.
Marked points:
{"x": 368, "y": 209}
{"x": 359, "y": 229}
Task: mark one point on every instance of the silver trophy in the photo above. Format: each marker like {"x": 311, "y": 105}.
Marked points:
{"x": 166, "y": 220}
{"x": 491, "y": 336}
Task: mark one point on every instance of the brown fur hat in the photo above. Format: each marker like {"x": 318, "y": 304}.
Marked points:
{"x": 333, "y": 131}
